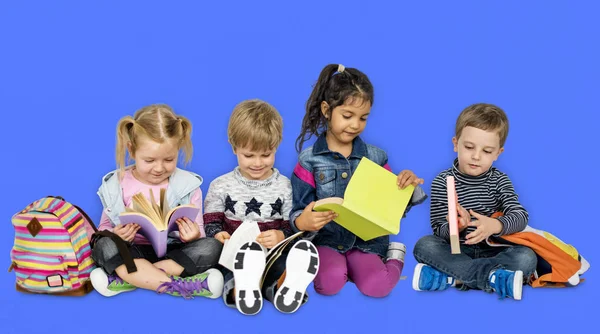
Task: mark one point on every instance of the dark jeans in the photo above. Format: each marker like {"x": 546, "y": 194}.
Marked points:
{"x": 195, "y": 257}
{"x": 475, "y": 262}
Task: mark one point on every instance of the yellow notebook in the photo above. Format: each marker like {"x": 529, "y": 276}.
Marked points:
{"x": 373, "y": 205}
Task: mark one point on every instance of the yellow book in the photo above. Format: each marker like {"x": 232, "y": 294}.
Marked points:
{"x": 373, "y": 205}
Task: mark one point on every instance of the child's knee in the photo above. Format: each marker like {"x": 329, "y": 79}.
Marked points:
{"x": 104, "y": 250}
{"x": 375, "y": 285}
{"x": 330, "y": 281}
{"x": 427, "y": 245}
{"x": 525, "y": 260}
{"x": 204, "y": 251}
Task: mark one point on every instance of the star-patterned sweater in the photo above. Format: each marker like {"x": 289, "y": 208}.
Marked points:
{"x": 232, "y": 199}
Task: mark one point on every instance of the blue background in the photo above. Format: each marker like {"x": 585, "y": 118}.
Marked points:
{"x": 70, "y": 70}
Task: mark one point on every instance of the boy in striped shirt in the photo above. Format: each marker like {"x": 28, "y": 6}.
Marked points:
{"x": 480, "y": 134}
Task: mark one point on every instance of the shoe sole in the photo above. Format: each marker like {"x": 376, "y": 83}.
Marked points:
{"x": 518, "y": 285}
{"x": 416, "y": 276}
{"x": 248, "y": 267}
{"x": 302, "y": 265}
{"x": 99, "y": 281}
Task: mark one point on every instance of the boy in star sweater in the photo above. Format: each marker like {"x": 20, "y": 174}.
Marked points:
{"x": 255, "y": 191}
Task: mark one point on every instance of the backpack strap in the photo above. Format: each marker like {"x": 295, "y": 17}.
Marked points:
{"x": 91, "y": 222}
{"x": 85, "y": 215}
{"x": 121, "y": 246}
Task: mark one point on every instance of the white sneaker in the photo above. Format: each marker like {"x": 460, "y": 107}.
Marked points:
{"x": 248, "y": 268}
{"x": 109, "y": 285}
{"x": 302, "y": 265}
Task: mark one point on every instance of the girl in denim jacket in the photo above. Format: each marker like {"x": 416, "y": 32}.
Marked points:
{"x": 336, "y": 113}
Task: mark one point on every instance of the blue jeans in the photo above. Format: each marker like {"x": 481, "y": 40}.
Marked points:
{"x": 473, "y": 265}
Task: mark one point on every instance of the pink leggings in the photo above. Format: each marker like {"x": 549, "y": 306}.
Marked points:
{"x": 372, "y": 276}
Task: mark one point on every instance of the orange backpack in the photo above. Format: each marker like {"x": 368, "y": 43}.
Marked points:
{"x": 559, "y": 264}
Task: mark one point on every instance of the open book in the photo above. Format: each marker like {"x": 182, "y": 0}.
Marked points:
{"x": 156, "y": 221}
{"x": 248, "y": 232}
{"x": 452, "y": 215}
{"x": 373, "y": 205}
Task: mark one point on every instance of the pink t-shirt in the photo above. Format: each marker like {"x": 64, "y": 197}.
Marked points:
{"x": 131, "y": 186}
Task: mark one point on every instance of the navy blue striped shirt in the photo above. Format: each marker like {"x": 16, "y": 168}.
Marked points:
{"x": 485, "y": 194}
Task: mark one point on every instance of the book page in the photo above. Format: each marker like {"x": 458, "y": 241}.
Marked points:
{"x": 142, "y": 205}
{"x": 275, "y": 253}
{"x": 283, "y": 243}
{"x": 156, "y": 206}
{"x": 164, "y": 204}
{"x": 246, "y": 232}
{"x": 373, "y": 193}
{"x": 352, "y": 221}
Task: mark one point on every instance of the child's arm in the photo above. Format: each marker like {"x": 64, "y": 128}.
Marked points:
{"x": 214, "y": 208}
{"x": 286, "y": 208}
{"x": 196, "y": 200}
{"x": 105, "y": 223}
{"x": 515, "y": 217}
{"x": 303, "y": 193}
{"x": 418, "y": 197}
{"x": 439, "y": 207}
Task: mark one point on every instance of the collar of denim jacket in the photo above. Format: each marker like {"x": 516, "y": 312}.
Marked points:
{"x": 359, "y": 148}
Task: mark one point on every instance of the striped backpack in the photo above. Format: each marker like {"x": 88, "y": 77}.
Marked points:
{"x": 51, "y": 252}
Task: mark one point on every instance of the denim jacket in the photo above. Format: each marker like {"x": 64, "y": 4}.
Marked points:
{"x": 321, "y": 173}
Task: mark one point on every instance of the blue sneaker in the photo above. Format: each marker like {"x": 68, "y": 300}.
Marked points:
{"x": 507, "y": 283}
{"x": 426, "y": 278}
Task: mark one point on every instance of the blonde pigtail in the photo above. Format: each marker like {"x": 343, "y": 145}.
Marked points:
{"x": 124, "y": 135}
{"x": 186, "y": 138}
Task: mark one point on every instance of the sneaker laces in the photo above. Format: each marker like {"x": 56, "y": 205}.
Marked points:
{"x": 502, "y": 286}
{"x": 115, "y": 278}
{"x": 186, "y": 287}
{"x": 439, "y": 281}
{"x": 434, "y": 280}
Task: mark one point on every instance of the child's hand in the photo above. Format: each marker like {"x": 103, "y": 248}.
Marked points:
{"x": 486, "y": 226}
{"x": 310, "y": 220}
{"x": 270, "y": 238}
{"x": 406, "y": 178}
{"x": 188, "y": 230}
{"x": 464, "y": 218}
{"x": 126, "y": 232}
{"x": 222, "y": 236}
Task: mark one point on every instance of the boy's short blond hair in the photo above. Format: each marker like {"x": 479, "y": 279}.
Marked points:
{"x": 255, "y": 125}
{"x": 483, "y": 116}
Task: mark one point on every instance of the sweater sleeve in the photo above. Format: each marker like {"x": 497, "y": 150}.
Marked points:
{"x": 214, "y": 211}
{"x": 515, "y": 217}
{"x": 286, "y": 209}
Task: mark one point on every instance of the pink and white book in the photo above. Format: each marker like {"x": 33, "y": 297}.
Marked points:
{"x": 453, "y": 214}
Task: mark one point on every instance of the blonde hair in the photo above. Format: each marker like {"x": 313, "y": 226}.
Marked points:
{"x": 157, "y": 122}
{"x": 256, "y": 125}
{"x": 483, "y": 116}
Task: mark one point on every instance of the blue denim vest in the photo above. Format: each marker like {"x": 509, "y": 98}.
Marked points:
{"x": 330, "y": 173}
